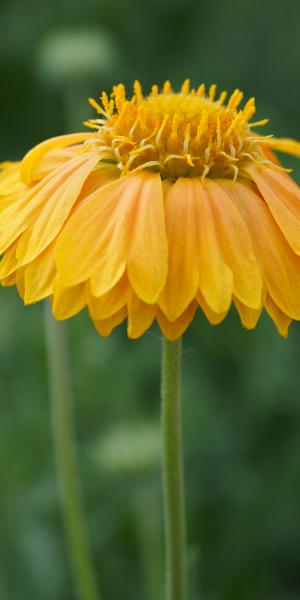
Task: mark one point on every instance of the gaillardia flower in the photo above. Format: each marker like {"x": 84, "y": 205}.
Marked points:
{"x": 172, "y": 203}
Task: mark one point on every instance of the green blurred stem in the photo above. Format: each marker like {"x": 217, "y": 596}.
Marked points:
{"x": 64, "y": 445}
{"x": 172, "y": 472}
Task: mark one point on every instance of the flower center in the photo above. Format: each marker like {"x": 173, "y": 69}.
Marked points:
{"x": 181, "y": 134}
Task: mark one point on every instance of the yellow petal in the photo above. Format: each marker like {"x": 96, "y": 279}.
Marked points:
{"x": 140, "y": 316}
{"x": 284, "y": 206}
{"x": 279, "y": 265}
{"x": 10, "y": 182}
{"x": 20, "y": 281}
{"x": 236, "y": 246}
{"x": 9, "y": 262}
{"x": 105, "y": 326}
{"x": 148, "y": 252}
{"x": 24, "y": 211}
{"x": 9, "y": 280}
{"x": 55, "y": 211}
{"x": 173, "y": 330}
{"x": 249, "y": 316}
{"x": 213, "y": 317}
{"x": 39, "y": 276}
{"x": 286, "y": 145}
{"x": 67, "y": 302}
{"x": 182, "y": 233}
{"x": 111, "y": 302}
{"x": 281, "y": 320}
{"x": 32, "y": 161}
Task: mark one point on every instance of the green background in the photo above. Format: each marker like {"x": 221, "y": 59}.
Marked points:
{"x": 241, "y": 389}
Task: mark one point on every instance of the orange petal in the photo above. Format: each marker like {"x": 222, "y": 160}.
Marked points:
{"x": 105, "y": 326}
{"x": 67, "y": 302}
{"x": 55, "y": 211}
{"x": 182, "y": 232}
{"x": 148, "y": 252}
{"x": 173, "y": 330}
{"x": 249, "y": 316}
{"x": 284, "y": 206}
{"x": 281, "y": 320}
{"x": 32, "y": 161}
{"x": 140, "y": 316}
{"x": 111, "y": 302}
{"x": 236, "y": 246}
{"x": 39, "y": 276}
{"x": 280, "y": 266}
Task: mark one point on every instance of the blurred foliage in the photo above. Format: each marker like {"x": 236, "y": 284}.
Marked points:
{"x": 241, "y": 389}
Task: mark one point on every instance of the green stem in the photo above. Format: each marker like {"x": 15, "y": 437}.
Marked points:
{"x": 63, "y": 438}
{"x": 172, "y": 471}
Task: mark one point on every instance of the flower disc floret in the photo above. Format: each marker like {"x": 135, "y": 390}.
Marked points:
{"x": 178, "y": 134}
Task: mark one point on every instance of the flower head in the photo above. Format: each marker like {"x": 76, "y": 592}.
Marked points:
{"x": 172, "y": 203}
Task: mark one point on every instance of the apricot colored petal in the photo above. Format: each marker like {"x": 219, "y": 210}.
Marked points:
{"x": 236, "y": 246}
{"x": 215, "y": 278}
{"x": 284, "y": 180}
{"x": 279, "y": 265}
{"x": 249, "y": 316}
{"x": 94, "y": 241}
{"x": 140, "y": 316}
{"x": 269, "y": 154}
{"x": 213, "y": 317}
{"x": 105, "y": 326}
{"x": 54, "y": 212}
{"x": 284, "y": 206}
{"x": 101, "y": 175}
{"x": 173, "y": 330}
{"x": 39, "y": 276}
{"x": 182, "y": 233}
{"x": 111, "y": 302}
{"x": 67, "y": 302}
{"x": 148, "y": 251}
{"x": 279, "y": 318}
{"x": 31, "y": 163}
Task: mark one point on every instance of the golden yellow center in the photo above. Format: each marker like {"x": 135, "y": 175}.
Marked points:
{"x": 178, "y": 134}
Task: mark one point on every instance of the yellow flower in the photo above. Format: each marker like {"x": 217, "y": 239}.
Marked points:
{"x": 171, "y": 203}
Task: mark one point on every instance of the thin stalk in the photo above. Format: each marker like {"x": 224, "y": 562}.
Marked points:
{"x": 172, "y": 472}
{"x": 65, "y": 455}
